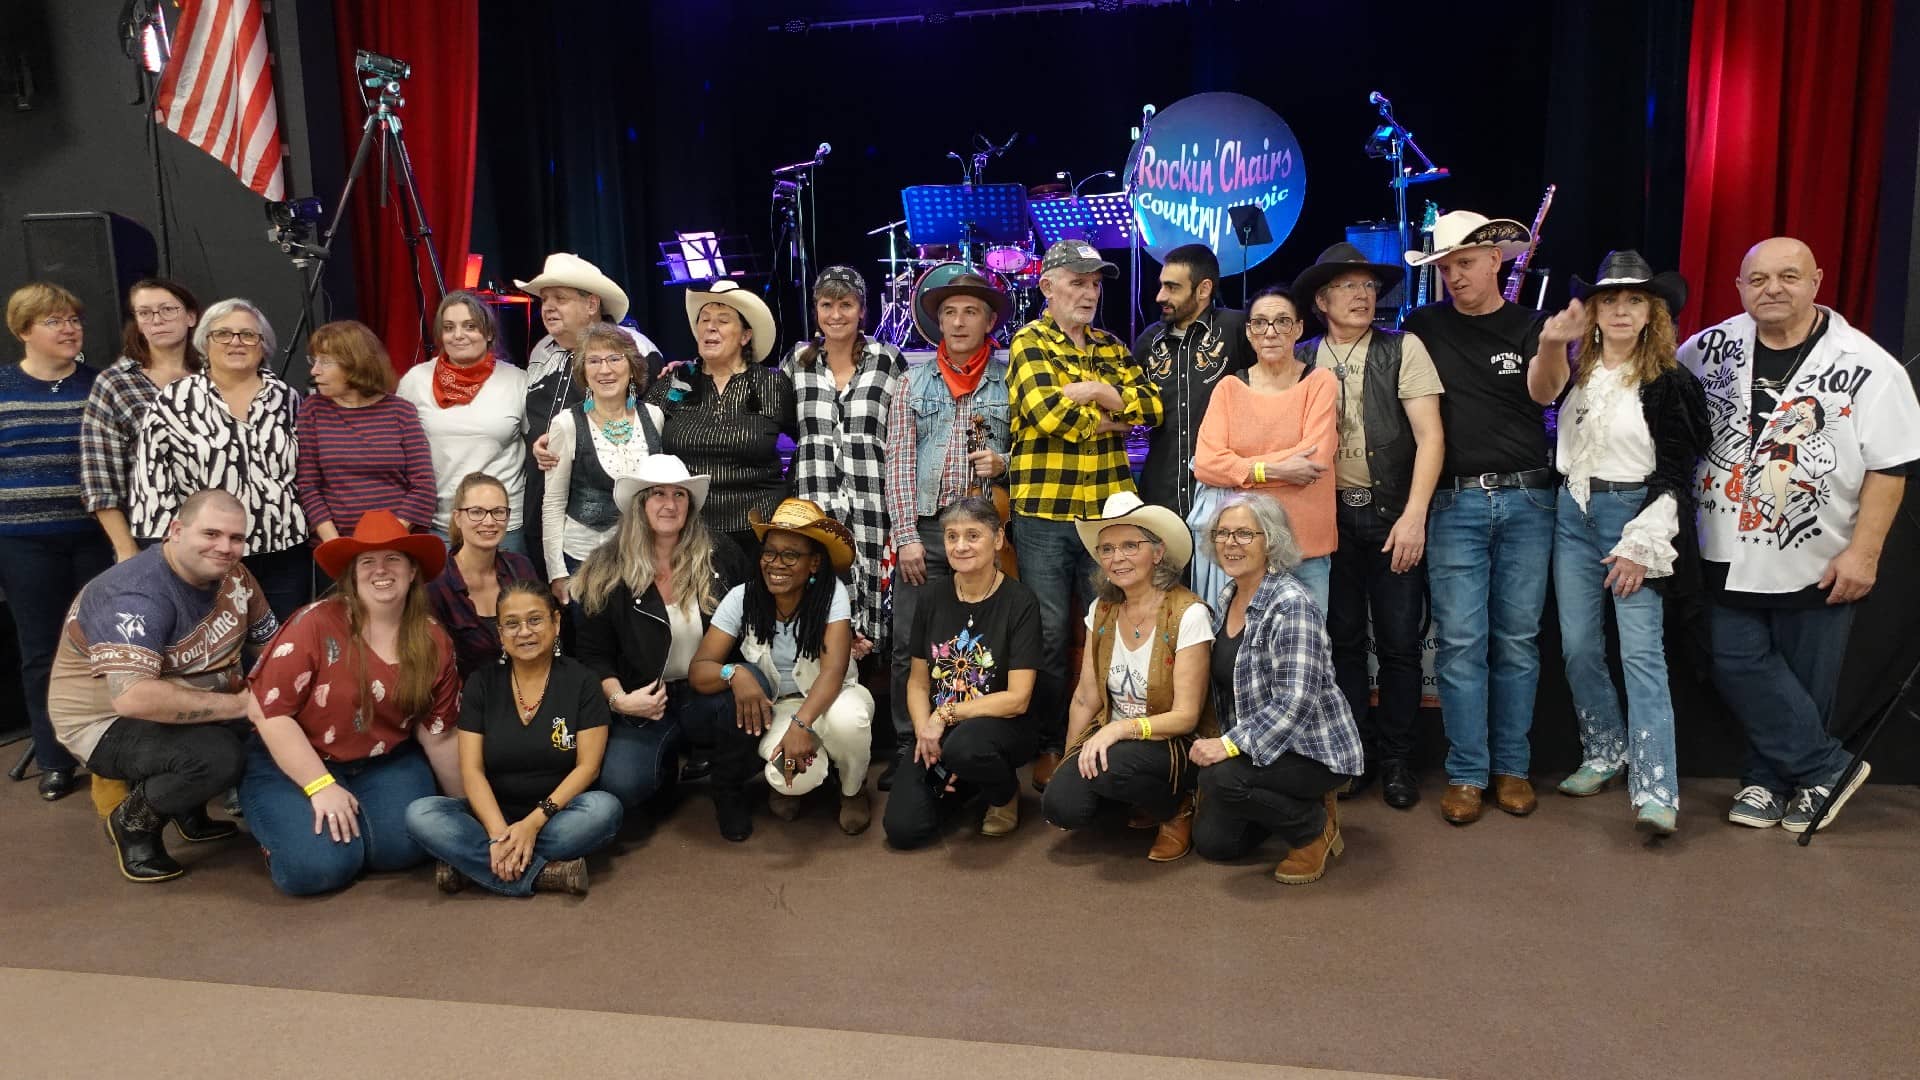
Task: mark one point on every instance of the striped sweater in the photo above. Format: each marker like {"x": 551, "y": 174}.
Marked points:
{"x": 40, "y": 452}
{"x": 356, "y": 460}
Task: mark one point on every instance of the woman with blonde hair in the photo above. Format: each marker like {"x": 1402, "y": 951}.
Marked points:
{"x": 1632, "y": 429}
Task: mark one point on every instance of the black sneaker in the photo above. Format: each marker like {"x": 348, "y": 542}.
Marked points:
{"x": 1756, "y": 807}
{"x": 1806, "y": 802}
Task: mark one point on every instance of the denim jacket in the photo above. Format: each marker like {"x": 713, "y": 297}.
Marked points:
{"x": 933, "y": 423}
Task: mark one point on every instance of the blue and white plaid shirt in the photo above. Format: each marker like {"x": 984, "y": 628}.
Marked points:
{"x": 1285, "y": 699}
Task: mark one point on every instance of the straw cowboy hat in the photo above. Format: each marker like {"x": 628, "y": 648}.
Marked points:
{"x": 803, "y": 517}
{"x": 1630, "y": 270}
{"x": 574, "y": 272}
{"x": 379, "y": 530}
{"x": 751, "y": 308}
{"x": 1458, "y": 230}
{"x": 660, "y": 470}
{"x": 1125, "y": 508}
{"x": 967, "y": 285}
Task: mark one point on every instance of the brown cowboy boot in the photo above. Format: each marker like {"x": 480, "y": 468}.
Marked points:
{"x": 1175, "y": 838}
{"x": 1308, "y": 864}
{"x": 563, "y": 876}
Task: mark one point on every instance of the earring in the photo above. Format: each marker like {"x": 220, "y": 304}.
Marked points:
{"x": 809, "y": 579}
{"x": 1596, "y": 335}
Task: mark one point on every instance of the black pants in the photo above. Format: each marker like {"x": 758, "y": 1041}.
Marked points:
{"x": 906, "y": 600}
{"x": 982, "y": 753}
{"x": 1139, "y": 774}
{"x": 707, "y": 721}
{"x": 177, "y": 767}
{"x": 1241, "y": 804}
{"x": 286, "y": 577}
{"x": 1362, "y": 579}
{"x": 41, "y": 575}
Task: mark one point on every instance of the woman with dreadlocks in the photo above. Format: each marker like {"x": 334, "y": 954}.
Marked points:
{"x": 791, "y": 626}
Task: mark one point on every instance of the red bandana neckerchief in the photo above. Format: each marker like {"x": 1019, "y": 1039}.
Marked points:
{"x": 456, "y": 385}
{"x": 964, "y": 378}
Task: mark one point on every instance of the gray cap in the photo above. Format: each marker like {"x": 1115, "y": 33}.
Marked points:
{"x": 1079, "y": 257}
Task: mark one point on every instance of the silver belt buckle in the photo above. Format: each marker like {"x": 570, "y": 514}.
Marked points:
{"x": 1484, "y": 481}
{"x": 1356, "y": 496}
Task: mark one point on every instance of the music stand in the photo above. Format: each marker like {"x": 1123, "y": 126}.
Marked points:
{"x": 965, "y": 214}
{"x": 698, "y": 258}
{"x": 1250, "y": 228}
{"x": 1102, "y": 220}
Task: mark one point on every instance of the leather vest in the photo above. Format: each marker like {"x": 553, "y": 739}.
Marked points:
{"x": 1389, "y": 434}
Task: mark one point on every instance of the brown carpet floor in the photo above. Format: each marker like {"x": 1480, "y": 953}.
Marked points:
{"x": 1559, "y": 945}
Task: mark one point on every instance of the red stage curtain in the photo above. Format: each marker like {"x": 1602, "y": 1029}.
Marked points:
{"x": 441, "y": 40}
{"x": 1786, "y": 108}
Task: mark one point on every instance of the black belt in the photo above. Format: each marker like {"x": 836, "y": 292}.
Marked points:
{"x": 1615, "y": 485}
{"x": 1530, "y": 478}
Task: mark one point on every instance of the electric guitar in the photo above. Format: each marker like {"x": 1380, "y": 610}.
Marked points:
{"x": 1519, "y": 275}
{"x": 1423, "y": 295}
{"x": 977, "y": 441}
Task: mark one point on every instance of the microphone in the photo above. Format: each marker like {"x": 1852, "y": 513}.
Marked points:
{"x": 1147, "y": 112}
{"x": 1380, "y": 99}
{"x": 821, "y": 151}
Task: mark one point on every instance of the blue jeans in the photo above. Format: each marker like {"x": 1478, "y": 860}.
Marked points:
{"x": 41, "y": 575}
{"x": 1054, "y": 564}
{"x": 303, "y": 862}
{"x": 1642, "y": 739}
{"x": 1317, "y": 575}
{"x": 642, "y": 756}
{"x": 448, "y": 831}
{"x": 1779, "y": 670}
{"x": 1488, "y": 555}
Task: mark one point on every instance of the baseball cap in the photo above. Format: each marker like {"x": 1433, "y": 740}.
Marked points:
{"x": 1079, "y": 257}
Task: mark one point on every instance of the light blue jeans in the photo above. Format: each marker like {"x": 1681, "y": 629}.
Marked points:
{"x": 448, "y": 831}
{"x": 1317, "y": 575}
{"x": 1488, "y": 556}
{"x": 1641, "y": 739}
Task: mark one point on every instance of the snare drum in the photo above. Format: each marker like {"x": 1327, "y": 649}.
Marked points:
{"x": 937, "y": 276}
{"x": 1008, "y": 258}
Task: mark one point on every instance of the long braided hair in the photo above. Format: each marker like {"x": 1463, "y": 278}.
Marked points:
{"x": 809, "y": 619}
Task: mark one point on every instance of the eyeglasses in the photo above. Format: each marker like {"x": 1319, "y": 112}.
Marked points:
{"x": 1129, "y": 548}
{"x": 224, "y": 336}
{"x": 56, "y": 322}
{"x": 788, "y": 559}
{"x": 163, "y": 313}
{"x": 318, "y": 362}
{"x": 1243, "y": 537}
{"x": 534, "y": 623}
{"x": 1272, "y": 326}
{"x": 602, "y": 361}
{"x": 478, "y": 514}
{"x": 1367, "y": 285}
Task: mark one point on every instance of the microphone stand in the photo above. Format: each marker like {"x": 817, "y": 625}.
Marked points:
{"x": 1399, "y": 140}
{"x": 1133, "y": 239}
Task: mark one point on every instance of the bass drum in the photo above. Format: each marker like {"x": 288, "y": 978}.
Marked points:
{"x": 943, "y": 274}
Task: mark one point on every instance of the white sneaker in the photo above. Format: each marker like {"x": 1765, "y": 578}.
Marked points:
{"x": 1756, "y": 806}
{"x": 1807, "y": 801}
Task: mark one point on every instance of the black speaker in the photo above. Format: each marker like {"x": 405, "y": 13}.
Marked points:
{"x": 96, "y": 256}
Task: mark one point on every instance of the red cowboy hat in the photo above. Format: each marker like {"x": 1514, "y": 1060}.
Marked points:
{"x": 379, "y": 530}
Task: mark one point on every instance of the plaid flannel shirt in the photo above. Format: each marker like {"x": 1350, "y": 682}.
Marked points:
{"x": 1284, "y": 696}
{"x": 1060, "y": 467}
{"x": 108, "y": 429}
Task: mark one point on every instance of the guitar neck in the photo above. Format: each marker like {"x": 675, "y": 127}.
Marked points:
{"x": 1518, "y": 277}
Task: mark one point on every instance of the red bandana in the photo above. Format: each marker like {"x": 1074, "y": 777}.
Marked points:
{"x": 456, "y": 385}
{"x": 964, "y": 378}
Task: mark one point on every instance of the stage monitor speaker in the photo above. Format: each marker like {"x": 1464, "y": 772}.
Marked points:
{"x": 1379, "y": 241}
{"x": 96, "y": 256}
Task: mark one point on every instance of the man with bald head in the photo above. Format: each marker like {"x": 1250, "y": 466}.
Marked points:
{"x": 1814, "y": 429}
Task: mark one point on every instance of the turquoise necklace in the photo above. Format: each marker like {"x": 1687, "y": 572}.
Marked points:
{"x": 619, "y": 431}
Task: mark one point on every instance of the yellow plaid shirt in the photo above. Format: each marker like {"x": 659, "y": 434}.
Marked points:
{"x": 1060, "y": 467}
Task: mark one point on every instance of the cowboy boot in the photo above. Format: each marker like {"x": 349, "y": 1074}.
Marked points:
{"x": 134, "y": 830}
{"x": 567, "y": 876}
{"x": 1308, "y": 864}
{"x": 1175, "y": 838}
{"x": 197, "y": 826}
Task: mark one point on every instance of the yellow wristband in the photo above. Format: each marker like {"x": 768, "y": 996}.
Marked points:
{"x": 1259, "y": 472}
{"x": 319, "y": 785}
{"x": 1146, "y": 728}
{"x": 1232, "y": 750}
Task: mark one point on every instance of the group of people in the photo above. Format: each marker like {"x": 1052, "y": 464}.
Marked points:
{"x": 550, "y": 593}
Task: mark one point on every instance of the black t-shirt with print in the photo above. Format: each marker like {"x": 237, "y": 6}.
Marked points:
{"x": 1775, "y": 366}
{"x": 1493, "y": 425}
{"x": 969, "y": 648}
{"x": 525, "y": 762}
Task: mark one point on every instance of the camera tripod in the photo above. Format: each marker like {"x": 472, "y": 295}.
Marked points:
{"x": 1859, "y": 756}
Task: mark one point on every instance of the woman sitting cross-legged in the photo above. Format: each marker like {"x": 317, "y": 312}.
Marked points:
{"x": 1289, "y": 740}
{"x": 797, "y": 691}
{"x": 532, "y": 734}
{"x": 350, "y": 693}
{"x": 976, "y": 650}
{"x": 645, "y": 599}
{"x": 1142, "y": 692}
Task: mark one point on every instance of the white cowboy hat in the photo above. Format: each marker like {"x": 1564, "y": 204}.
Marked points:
{"x": 574, "y": 272}
{"x": 1125, "y": 508}
{"x": 660, "y": 470}
{"x": 748, "y": 304}
{"x": 1458, "y": 230}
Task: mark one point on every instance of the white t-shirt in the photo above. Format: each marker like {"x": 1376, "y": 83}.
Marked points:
{"x": 731, "y": 613}
{"x": 1778, "y": 507}
{"x": 1127, "y": 674}
{"x": 488, "y": 434}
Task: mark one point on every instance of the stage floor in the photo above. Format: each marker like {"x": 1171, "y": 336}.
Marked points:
{"x": 1558, "y": 945}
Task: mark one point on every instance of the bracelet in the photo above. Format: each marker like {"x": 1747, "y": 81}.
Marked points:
{"x": 326, "y": 780}
{"x": 1146, "y": 727}
{"x": 1227, "y": 744}
{"x": 1259, "y": 472}
{"x": 949, "y": 715}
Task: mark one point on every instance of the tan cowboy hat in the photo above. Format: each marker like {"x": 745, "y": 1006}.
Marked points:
{"x": 660, "y": 470}
{"x": 803, "y": 517}
{"x": 380, "y": 530}
{"x": 1125, "y": 508}
{"x": 1458, "y": 230}
{"x": 574, "y": 272}
{"x": 967, "y": 285}
{"x": 751, "y": 308}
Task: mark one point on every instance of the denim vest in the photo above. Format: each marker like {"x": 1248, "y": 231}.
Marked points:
{"x": 933, "y": 422}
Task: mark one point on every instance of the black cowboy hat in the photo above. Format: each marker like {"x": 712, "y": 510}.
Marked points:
{"x": 1630, "y": 270}
{"x": 1339, "y": 259}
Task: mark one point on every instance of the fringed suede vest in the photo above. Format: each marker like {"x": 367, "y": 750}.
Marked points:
{"x": 1166, "y": 636}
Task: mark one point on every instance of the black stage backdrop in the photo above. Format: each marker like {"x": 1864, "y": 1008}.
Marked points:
{"x": 603, "y": 131}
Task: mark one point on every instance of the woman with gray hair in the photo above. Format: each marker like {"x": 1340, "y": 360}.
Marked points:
{"x": 1288, "y": 739}
{"x": 230, "y": 426}
{"x": 1142, "y": 694}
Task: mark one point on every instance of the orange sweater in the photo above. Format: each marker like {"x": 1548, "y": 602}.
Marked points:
{"x": 1244, "y": 426}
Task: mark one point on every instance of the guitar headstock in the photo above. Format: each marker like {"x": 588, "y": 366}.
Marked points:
{"x": 1430, "y": 217}
{"x": 977, "y": 434}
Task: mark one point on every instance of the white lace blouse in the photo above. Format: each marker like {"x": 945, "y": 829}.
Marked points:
{"x": 1603, "y": 436}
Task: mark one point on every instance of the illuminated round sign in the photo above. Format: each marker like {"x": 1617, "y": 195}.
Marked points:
{"x": 1205, "y": 155}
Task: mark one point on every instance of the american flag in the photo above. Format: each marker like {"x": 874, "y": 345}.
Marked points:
{"x": 217, "y": 92}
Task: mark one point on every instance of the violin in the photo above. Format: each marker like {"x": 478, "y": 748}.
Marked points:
{"x": 977, "y": 441}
